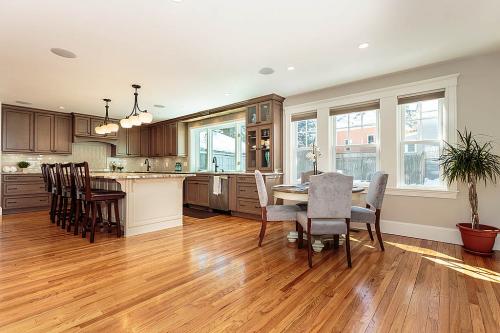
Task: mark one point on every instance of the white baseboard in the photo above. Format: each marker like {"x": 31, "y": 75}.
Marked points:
{"x": 446, "y": 235}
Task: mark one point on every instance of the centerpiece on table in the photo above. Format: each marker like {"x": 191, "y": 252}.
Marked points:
{"x": 313, "y": 156}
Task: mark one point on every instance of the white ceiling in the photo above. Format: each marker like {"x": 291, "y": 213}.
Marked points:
{"x": 187, "y": 55}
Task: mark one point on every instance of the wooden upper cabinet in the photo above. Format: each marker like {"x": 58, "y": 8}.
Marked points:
{"x": 62, "y": 134}
{"x": 260, "y": 114}
{"x": 134, "y": 141}
{"x": 44, "y": 132}
{"x": 121, "y": 144}
{"x": 17, "y": 130}
{"x": 26, "y": 130}
{"x": 82, "y": 126}
{"x": 156, "y": 140}
{"x": 144, "y": 141}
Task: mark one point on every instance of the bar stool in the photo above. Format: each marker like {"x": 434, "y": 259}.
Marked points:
{"x": 68, "y": 194}
{"x": 46, "y": 180}
{"x": 55, "y": 188}
{"x": 92, "y": 199}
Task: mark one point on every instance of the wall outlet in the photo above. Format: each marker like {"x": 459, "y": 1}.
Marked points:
{"x": 185, "y": 164}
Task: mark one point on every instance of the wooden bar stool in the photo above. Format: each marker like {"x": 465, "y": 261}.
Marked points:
{"x": 46, "y": 180}
{"x": 68, "y": 193}
{"x": 56, "y": 198}
{"x": 92, "y": 199}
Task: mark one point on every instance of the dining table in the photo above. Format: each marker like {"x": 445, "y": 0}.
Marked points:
{"x": 299, "y": 193}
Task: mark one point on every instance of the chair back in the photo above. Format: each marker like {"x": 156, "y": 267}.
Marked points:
{"x": 46, "y": 180}
{"x": 261, "y": 188}
{"x": 305, "y": 176}
{"x": 376, "y": 190}
{"x": 330, "y": 196}
{"x": 55, "y": 184}
{"x": 67, "y": 181}
{"x": 81, "y": 176}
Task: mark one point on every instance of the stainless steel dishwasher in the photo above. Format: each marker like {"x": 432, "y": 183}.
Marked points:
{"x": 219, "y": 201}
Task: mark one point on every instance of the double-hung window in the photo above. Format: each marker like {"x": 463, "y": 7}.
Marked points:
{"x": 304, "y": 137}
{"x": 421, "y": 139}
{"x": 355, "y": 140}
{"x": 224, "y": 143}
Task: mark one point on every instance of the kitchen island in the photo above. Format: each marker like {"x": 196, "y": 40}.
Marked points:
{"x": 153, "y": 201}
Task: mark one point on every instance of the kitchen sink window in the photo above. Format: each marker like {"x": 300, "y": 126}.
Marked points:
{"x": 221, "y": 143}
{"x": 355, "y": 140}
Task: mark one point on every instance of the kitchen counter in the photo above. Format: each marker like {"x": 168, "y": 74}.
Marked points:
{"x": 139, "y": 175}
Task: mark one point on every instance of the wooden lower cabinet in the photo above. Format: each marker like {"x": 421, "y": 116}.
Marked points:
{"x": 23, "y": 193}
{"x": 196, "y": 189}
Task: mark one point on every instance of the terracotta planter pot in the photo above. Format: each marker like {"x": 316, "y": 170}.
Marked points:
{"x": 480, "y": 240}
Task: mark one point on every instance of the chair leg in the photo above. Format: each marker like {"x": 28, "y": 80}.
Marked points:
{"x": 369, "y": 228}
{"x": 71, "y": 214}
{"x": 309, "y": 250}
{"x": 86, "y": 219}
{"x": 336, "y": 240}
{"x": 59, "y": 210}
{"x": 108, "y": 204}
{"x": 263, "y": 227}
{"x": 379, "y": 235}
{"x": 100, "y": 219}
{"x": 53, "y": 208}
{"x": 117, "y": 219}
{"x": 78, "y": 207}
{"x": 300, "y": 231}
{"x": 94, "y": 221}
{"x": 64, "y": 212}
{"x": 348, "y": 243}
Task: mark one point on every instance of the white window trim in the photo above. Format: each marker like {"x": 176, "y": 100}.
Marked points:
{"x": 389, "y": 94}
{"x": 193, "y": 146}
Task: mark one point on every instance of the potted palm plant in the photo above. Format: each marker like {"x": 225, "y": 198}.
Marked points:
{"x": 470, "y": 162}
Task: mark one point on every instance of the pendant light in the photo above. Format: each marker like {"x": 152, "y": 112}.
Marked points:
{"x": 106, "y": 127}
{"x": 137, "y": 116}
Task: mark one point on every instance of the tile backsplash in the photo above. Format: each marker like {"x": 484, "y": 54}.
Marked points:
{"x": 98, "y": 155}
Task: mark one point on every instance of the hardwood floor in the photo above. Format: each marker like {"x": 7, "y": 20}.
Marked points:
{"x": 209, "y": 275}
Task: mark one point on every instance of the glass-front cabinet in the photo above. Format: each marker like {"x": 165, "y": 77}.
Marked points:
{"x": 259, "y": 148}
{"x": 259, "y": 114}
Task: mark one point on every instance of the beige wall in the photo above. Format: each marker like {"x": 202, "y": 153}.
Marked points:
{"x": 478, "y": 99}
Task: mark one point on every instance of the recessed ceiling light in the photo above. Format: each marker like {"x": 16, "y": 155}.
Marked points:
{"x": 290, "y": 68}
{"x": 176, "y": 0}
{"x": 227, "y": 94}
{"x": 363, "y": 45}
{"x": 159, "y": 106}
{"x": 62, "y": 52}
{"x": 24, "y": 102}
{"x": 61, "y": 108}
{"x": 266, "y": 71}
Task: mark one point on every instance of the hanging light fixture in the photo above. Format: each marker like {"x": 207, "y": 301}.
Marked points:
{"x": 105, "y": 127}
{"x": 137, "y": 116}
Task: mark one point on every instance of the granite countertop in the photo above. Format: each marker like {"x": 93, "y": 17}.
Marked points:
{"x": 242, "y": 173}
{"x": 138, "y": 175}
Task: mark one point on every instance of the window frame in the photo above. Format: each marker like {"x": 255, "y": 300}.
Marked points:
{"x": 194, "y": 146}
{"x": 293, "y": 147}
{"x": 401, "y": 141}
{"x": 333, "y": 142}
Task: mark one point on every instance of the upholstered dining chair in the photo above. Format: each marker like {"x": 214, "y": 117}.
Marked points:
{"x": 272, "y": 212}
{"x": 328, "y": 211}
{"x": 371, "y": 213}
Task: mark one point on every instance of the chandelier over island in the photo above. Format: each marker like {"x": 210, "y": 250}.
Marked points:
{"x": 137, "y": 116}
{"x": 106, "y": 127}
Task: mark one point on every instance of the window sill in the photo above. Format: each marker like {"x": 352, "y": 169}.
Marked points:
{"x": 424, "y": 193}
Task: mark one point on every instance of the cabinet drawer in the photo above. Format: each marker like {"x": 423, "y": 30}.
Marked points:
{"x": 248, "y": 206}
{"x": 40, "y": 200}
{"x": 250, "y": 179}
{"x": 199, "y": 178}
{"x": 28, "y": 178}
{"x": 247, "y": 191}
{"x": 10, "y": 189}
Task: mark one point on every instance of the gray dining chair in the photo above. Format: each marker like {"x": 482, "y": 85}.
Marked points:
{"x": 272, "y": 212}
{"x": 371, "y": 213}
{"x": 328, "y": 210}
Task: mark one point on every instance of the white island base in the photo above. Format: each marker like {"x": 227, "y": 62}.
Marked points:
{"x": 153, "y": 201}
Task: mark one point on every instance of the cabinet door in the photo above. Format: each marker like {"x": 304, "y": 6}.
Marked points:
{"x": 264, "y": 144}
{"x": 166, "y": 140}
{"x": 17, "y": 130}
{"x": 173, "y": 139}
{"x": 62, "y": 134}
{"x": 94, "y": 122}
{"x": 44, "y": 133}
{"x": 252, "y": 148}
{"x": 252, "y": 116}
{"x": 157, "y": 137}
{"x": 121, "y": 144}
{"x": 192, "y": 192}
{"x": 82, "y": 126}
{"x": 145, "y": 141}
{"x": 265, "y": 113}
{"x": 134, "y": 141}
{"x": 203, "y": 194}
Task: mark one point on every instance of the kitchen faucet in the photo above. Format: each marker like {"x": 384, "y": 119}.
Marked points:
{"x": 148, "y": 166}
{"x": 214, "y": 161}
